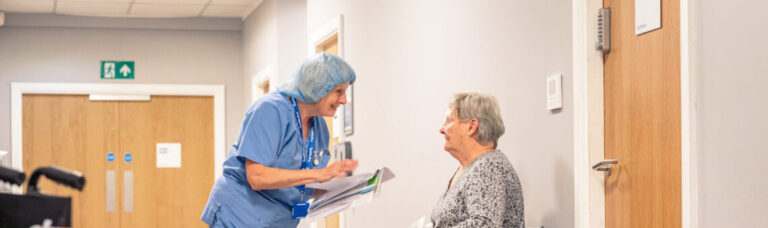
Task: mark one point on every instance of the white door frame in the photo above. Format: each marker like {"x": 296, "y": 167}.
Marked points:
{"x": 19, "y": 89}
{"x": 257, "y": 80}
{"x": 588, "y": 146}
{"x": 334, "y": 26}
{"x": 588, "y": 125}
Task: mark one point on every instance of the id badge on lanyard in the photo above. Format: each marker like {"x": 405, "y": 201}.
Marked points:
{"x": 301, "y": 207}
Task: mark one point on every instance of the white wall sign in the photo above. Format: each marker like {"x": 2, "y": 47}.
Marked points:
{"x": 168, "y": 155}
{"x": 647, "y": 16}
{"x": 554, "y": 92}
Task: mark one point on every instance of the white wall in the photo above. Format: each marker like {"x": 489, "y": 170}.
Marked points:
{"x": 732, "y": 121}
{"x": 410, "y": 56}
{"x": 274, "y": 41}
{"x": 291, "y": 36}
{"x": 259, "y": 45}
{"x": 49, "y": 48}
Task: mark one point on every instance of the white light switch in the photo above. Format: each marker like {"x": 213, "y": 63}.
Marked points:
{"x": 554, "y": 92}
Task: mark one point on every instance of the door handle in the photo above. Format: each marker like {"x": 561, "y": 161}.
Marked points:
{"x": 128, "y": 191}
{"x": 605, "y": 165}
{"x": 110, "y": 191}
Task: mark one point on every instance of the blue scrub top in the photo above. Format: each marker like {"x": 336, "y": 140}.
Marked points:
{"x": 269, "y": 136}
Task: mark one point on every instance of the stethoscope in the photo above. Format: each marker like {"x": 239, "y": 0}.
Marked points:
{"x": 313, "y": 156}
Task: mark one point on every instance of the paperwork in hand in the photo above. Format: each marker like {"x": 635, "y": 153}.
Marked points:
{"x": 345, "y": 193}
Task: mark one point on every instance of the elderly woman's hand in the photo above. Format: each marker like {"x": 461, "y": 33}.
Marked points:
{"x": 337, "y": 169}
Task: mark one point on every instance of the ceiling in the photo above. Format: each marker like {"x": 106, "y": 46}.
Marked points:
{"x": 135, "y": 8}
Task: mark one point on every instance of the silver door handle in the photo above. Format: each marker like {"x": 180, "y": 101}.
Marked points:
{"x": 128, "y": 191}
{"x": 110, "y": 191}
{"x": 605, "y": 165}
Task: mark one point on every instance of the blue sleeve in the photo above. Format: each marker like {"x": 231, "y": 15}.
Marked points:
{"x": 262, "y": 135}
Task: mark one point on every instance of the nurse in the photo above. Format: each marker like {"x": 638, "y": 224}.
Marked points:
{"x": 283, "y": 145}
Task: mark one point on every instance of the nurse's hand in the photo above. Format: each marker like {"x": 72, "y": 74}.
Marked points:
{"x": 338, "y": 169}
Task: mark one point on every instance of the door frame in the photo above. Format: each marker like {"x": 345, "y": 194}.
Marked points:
{"x": 588, "y": 126}
{"x": 332, "y": 27}
{"x": 321, "y": 36}
{"x": 19, "y": 89}
{"x": 257, "y": 80}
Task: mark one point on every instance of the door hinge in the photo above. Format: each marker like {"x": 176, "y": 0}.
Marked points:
{"x": 604, "y": 30}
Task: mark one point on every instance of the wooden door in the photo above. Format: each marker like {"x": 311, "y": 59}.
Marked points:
{"x": 167, "y": 197}
{"x": 72, "y": 132}
{"x": 642, "y": 120}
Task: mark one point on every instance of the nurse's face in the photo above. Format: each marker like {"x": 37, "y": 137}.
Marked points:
{"x": 327, "y": 105}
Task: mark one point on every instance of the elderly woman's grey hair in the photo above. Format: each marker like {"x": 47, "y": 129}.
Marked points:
{"x": 484, "y": 108}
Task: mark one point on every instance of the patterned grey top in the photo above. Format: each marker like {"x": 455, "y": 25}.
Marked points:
{"x": 486, "y": 194}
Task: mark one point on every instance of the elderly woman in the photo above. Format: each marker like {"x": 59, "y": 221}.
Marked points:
{"x": 485, "y": 190}
{"x": 283, "y": 145}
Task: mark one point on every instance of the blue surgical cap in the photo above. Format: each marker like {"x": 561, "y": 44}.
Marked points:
{"x": 316, "y": 76}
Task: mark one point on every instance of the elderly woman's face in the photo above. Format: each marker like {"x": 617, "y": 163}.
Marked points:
{"x": 327, "y": 105}
{"x": 453, "y": 130}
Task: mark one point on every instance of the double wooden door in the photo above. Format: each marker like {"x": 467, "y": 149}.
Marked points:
{"x": 114, "y": 145}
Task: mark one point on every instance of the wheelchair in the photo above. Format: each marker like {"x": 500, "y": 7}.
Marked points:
{"x": 35, "y": 208}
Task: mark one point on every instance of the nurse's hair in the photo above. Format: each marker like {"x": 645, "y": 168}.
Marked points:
{"x": 316, "y": 76}
{"x": 484, "y": 108}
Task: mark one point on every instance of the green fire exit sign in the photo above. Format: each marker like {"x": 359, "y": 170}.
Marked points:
{"x": 117, "y": 70}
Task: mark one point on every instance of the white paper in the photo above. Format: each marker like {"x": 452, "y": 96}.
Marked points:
{"x": 4, "y": 187}
{"x": 647, "y": 16}
{"x": 3, "y": 159}
{"x": 351, "y": 202}
{"x": 386, "y": 174}
{"x": 345, "y": 193}
{"x": 340, "y": 187}
{"x": 422, "y": 222}
{"x": 342, "y": 182}
{"x": 327, "y": 211}
{"x": 168, "y": 155}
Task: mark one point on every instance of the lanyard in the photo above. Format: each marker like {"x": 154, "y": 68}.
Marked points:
{"x": 307, "y": 160}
